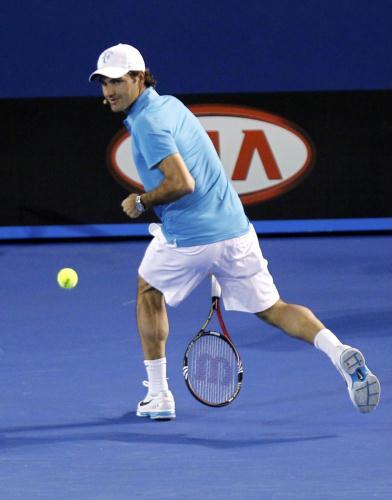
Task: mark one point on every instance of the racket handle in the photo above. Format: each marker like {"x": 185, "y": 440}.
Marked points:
{"x": 215, "y": 287}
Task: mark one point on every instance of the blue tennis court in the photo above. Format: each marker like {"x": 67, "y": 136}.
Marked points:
{"x": 72, "y": 372}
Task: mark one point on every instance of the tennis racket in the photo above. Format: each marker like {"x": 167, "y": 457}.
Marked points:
{"x": 212, "y": 367}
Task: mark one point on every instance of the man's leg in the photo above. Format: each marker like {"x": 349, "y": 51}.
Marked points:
{"x": 153, "y": 329}
{"x": 152, "y": 320}
{"x": 299, "y": 322}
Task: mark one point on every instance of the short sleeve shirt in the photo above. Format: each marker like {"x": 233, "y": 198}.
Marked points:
{"x": 161, "y": 126}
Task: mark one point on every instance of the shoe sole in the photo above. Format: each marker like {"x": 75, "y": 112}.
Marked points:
{"x": 365, "y": 389}
{"x": 162, "y": 415}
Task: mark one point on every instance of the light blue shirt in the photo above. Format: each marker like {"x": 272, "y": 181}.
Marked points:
{"x": 161, "y": 126}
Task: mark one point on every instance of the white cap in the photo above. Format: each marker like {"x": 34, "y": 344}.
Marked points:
{"x": 116, "y": 61}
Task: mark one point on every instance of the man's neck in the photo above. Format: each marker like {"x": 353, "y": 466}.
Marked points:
{"x": 126, "y": 111}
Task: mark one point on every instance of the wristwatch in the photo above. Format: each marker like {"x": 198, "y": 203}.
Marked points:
{"x": 139, "y": 204}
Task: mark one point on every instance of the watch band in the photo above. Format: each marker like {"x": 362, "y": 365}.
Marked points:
{"x": 139, "y": 204}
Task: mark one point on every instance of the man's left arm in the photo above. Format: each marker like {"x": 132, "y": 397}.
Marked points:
{"x": 177, "y": 182}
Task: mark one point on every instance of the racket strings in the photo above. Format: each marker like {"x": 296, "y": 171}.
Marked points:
{"x": 213, "y": 369}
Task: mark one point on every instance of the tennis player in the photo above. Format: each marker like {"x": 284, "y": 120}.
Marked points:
{"x": 203, "y": 230}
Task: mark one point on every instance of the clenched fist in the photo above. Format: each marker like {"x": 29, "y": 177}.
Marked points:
{"x": 129, "y": 206}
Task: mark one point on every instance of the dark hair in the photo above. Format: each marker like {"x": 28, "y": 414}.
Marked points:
{"x": 149, "y": 80}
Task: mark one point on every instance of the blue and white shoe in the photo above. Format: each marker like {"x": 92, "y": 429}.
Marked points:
{"x": 362, "y": 385}
{"x": 157, "y": 407}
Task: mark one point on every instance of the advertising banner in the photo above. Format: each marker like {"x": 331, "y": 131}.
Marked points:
{"x": 290, "y": 156}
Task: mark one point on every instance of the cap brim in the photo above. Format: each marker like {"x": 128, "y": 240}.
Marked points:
{"x": 108, "y": 71}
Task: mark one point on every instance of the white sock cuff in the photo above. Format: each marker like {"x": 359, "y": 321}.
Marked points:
{"x": 320, "y": 336}
{"x": 327, "y": 342}
{"x": 156, "y": 372}
{"x": 326, "y": 335}
{"x": 154, "y": 362}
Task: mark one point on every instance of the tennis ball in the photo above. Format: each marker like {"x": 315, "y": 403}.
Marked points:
{"x": 67, "y": 278}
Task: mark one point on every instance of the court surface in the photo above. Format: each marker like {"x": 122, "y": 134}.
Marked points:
{"x": 72, "y": 372}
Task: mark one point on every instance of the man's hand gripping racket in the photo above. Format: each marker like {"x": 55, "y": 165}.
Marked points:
{"x": 212, "y": 367}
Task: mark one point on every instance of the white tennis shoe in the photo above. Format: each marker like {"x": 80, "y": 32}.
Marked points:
{"x": 362, "y": 385}
{"x": 157, "y": 407}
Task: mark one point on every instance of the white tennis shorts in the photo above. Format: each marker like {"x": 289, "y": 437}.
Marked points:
{"x": 237, "y": 263}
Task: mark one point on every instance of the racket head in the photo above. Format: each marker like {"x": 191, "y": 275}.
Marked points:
{"x": 212, "y": 369}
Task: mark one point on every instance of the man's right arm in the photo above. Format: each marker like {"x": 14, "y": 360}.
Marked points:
{"x": 177, "y": 182}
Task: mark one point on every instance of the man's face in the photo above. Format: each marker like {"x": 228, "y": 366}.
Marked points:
{"x": 122, "y": 92}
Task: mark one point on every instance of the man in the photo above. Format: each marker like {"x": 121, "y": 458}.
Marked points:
{"x": 204, "y": 230}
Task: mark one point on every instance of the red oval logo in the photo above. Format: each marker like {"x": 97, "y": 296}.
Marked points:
{"x": 263, "y": 154}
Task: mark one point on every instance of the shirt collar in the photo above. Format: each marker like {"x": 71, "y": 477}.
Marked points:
{"x": 141, "y": 102}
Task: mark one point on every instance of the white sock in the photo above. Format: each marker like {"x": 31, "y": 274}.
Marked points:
{"x": 328, "y": 343}
{"x": 156, "y": 372}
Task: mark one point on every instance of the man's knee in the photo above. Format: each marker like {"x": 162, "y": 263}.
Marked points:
{"x": 142, "y": 285}
{"x": 145, "y": 291}
{"x": 270, "y": 314}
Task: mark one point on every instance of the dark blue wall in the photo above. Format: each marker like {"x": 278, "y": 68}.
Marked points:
{"x": 49, "y": 47}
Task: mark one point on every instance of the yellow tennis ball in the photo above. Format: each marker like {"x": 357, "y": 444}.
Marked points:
{"x": 67, "y": 278}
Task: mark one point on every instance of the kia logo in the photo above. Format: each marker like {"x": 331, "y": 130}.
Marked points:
{"x": 263, "y": 154}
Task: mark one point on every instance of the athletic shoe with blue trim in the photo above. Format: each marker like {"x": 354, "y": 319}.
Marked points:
{"x": 362, "y": 385}
{"x": 157, "y": 407}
